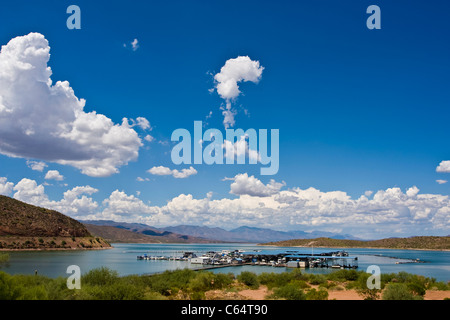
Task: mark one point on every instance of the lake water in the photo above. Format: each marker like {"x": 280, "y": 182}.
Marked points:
{"x": 122, "y": 258}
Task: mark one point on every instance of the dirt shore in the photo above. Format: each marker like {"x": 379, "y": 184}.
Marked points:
{"x": 262, "y": 292}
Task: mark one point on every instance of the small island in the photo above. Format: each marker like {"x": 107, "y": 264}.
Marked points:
{"x": 27, "y": 227}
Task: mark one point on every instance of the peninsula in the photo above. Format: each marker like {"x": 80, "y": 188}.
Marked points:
{"x": 27, "y": 227}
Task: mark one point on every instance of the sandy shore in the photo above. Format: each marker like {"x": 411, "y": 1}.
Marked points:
{"x": 262, "y": 292}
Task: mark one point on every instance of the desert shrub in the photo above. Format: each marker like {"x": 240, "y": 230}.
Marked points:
{"x": 343, "y": 275}
{"x": 272, "y": 280}
{"x": 289, "y": 292}
{"x": 249, "y": 278}
{"x": 416, "y": 288}
{"x": 328, "y": 285}
{"x": 171, "y": 281}
{"x": 300, "y": 283}
{"x": 314, "y": 294}
{"x": 33, "y": 293}
{"x": 8, "y": 290}
{"x": 204, "y": 281}
{"x": 4, "y": 257}
{"x": 152, "y": 295}
{"x": 100, "y": 277}
{"x": 398, "y": 291}
{"x": 222, "y": 280}
{"x": 438, "y": 285}
{"x": 317, "y": 279}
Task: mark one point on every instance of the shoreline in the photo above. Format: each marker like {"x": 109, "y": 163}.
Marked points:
{"x": 257, "y": 244}
{"x": 335, "y": 247}
{"x": 54, "y": 249}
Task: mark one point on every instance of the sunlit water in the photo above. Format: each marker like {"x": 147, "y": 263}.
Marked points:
{"x": 122, "y": 258}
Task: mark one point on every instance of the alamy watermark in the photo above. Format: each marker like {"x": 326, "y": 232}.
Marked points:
{"x": 74, "y": 280}
{"x": 374, "y": 281}
{"x": 238, "y": 144}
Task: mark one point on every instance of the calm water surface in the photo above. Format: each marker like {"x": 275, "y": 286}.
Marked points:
{"x": 122, "y": 258}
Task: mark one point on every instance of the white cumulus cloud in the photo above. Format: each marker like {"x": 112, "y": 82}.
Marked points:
{"x": 249, "y": 185}
{"x": 444, "y": 166}
{"x": 47, "y": 121}
{"x": 36, "y": 165}
{"x": 5, "y": 186}
{"x": 227, "y": 81}
{"x": 165, "y": 171}
{"x": 54, "y": 175}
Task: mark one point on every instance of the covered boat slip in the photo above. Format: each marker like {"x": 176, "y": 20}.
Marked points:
{"x": 276, "y": 258}
{"x": 301, "y": 258}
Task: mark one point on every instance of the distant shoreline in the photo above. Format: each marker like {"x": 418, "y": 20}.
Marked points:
{"x": 340, "y": 247}
{"x": 54, "y": 249}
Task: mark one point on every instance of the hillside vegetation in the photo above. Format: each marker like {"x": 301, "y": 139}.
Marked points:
{"x": 421, "y": 242}
{"x": 122, "y": 232}
{"x": 24, "y": 226}
{"x": 185, "y": 284}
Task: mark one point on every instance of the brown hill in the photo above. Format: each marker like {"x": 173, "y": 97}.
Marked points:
{"x": 24, "y": 226}
{"x": 419, "y": 242}
{"x": 135, "y": 233}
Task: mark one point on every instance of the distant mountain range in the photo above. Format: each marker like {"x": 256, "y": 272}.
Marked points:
{"x": 198, "y": 234}
{"x": 252, "y": 234}
{"x": 123, "y": 232}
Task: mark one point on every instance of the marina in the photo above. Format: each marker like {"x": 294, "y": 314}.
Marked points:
{"x": 122, "y": 258}
{"x": 274, "y": 258}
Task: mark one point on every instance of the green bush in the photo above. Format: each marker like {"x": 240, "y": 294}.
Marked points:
{"x": 115, "y": 291}
{"x": 100, "y": 277}
{"x": 416, "y": 288}
{"x": 398, "y": 291}
{"x": 313, "y": 294}
{"x": 249, "y": 278}
{"x": 317, "y": 279}
{"x": 289, "y": 292}
{"x": 343, "y": 275}
{"x": 8, "y": 291}
{"x": 4, "y": 257}
{"x": 204, "y": 281}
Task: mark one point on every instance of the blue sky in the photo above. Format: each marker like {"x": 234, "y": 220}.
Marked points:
{"x": 358, "y": 110}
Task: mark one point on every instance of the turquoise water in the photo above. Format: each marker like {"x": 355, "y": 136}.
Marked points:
{"x": 122, "y": 258}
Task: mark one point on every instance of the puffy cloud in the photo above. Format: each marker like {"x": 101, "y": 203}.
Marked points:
{"x": 74, "y": 203}
{"x": 29, "y": 191}
{"x": 46, "y": 121}
{"x": 141, "y": 122}
{"x": 231, "y": 74}
{"x": 149, "y": 138}
{"x": 53, "y": 175}
{"x": 36, "y": 165}
{"x": 5, "y": 186}
{"x": 243, "y": 184}
{"x": 119, "y": 204}
{"x": 135, "y": 44}
{"x": 444, "y": 166}
{"x": 412, "y": 192}
{"x": 164, "y": 171}
{"x": 240, "y": 148}
{"x": 390, "y": 212}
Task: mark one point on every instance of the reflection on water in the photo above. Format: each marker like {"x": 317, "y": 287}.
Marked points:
{"x": 122, "y": 258}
